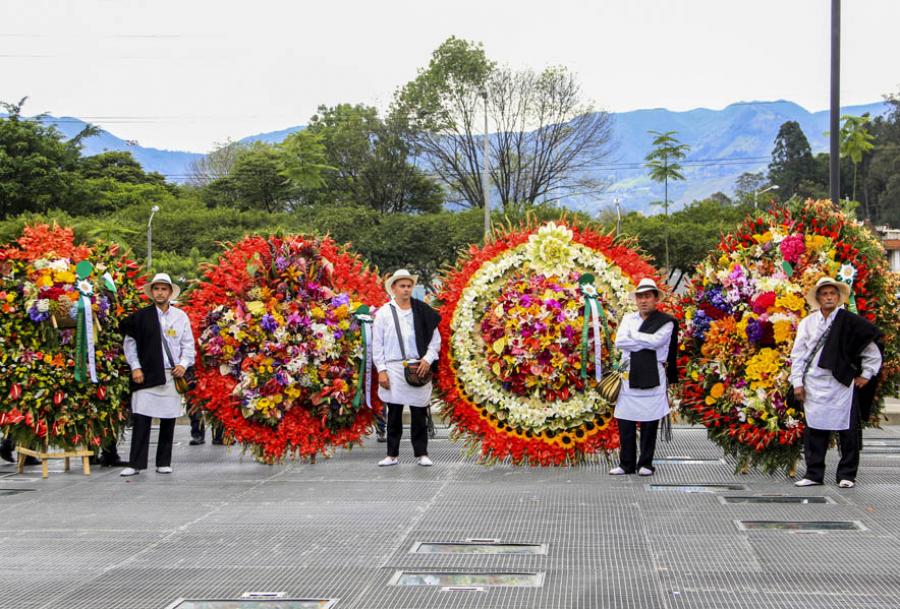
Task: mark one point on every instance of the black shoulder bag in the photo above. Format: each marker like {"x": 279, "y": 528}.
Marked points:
{"x": 410, "y": 373}
{"x": 189, "y": 380}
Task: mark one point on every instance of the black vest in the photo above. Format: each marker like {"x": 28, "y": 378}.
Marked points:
{"x": 643, "y": 371}
{"x": 143, "y": 327}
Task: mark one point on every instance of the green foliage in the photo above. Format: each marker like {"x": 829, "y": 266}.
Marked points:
{"x": 370, "y": 162}
{"x": 693, "y": 231}
{"x": 663, "y": 163}
{"x": 793, "y": 168}
{"x": 38, "y": 168}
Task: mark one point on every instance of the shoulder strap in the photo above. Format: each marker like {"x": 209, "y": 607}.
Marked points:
{"x": 819, "y": 343}
{"x": 399, "y": 334}
{"x": 166, "y": 347}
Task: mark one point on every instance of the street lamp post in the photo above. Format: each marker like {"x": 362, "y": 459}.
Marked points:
{"x": 153, "y": 210}
{"x": 484, "y": 170}
{"x": 758, "y": 192}
{"x": 618, "y": 216}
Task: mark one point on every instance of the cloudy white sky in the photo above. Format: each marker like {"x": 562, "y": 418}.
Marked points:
{"x": 183, "y": 74}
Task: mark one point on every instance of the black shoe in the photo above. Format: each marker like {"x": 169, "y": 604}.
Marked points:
{"x": 218, "y": 442}
{"x": 6, "y": 451}
{"x": 381, "y": 438}
{"x": 197, "y": 441}
{"x": 32, "y": 461}
{"x": 108, "y": 460}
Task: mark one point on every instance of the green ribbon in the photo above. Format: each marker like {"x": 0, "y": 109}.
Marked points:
{"x": 363, "y": 317}
{"x": 81, "y": 344}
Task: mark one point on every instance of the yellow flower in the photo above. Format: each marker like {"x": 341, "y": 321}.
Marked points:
{"x": 762, "y": 367}
{"x": 256, "y": 307}
{"x": 763, "y": 238}
{"x": 791, "y": 302}
{"x": 717, "y": 391}
{"x": 783, "y": 330}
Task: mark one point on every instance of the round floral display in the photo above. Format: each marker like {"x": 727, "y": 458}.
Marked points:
{"x": 528, "y": 322}
{"x": 741, "y": 313}
{"x": 284, "y": 364}
{"x": 63, "y": 375}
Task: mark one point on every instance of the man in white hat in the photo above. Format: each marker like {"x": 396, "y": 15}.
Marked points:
{"x": 405, "y": 336}
{"x": 833, "y": 361}
{"x": 648, "y": 341}
{"x": 159, "y": 347}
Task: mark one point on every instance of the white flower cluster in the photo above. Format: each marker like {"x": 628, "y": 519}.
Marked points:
{"x": 468, "y": 346}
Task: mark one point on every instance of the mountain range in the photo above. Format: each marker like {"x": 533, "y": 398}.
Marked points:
{"x": 724, "y": 143}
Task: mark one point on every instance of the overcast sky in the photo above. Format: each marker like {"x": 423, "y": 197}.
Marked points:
{"x": 183, "y": 74}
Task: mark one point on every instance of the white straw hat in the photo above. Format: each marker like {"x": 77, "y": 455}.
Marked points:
{"x": 162, "y": 278}
{"x": 646, "y": 285}
{"x": 842, "y": 288}
{"x": 398, "y": 275}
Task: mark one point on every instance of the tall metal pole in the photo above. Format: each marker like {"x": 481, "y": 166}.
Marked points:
{"x": 618, "y": 216}
{"x": 834, "y": 123}
{"x": 484, "y": 170}
{"x": 153, "y": 210}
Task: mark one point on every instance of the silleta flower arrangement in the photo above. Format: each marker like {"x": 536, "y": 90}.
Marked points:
{"x": 528, "y": 321}
{"x": 741, "y": 313}
{"x": 281, "y": 322}
{"x": 63, "y": 375}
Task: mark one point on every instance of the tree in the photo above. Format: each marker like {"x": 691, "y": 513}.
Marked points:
{"x": 255, "y": 182}
{"x": 119, "y": 166}
{"x": 38, "y": 167}
{"x": 663, "y": 163}
{"x": 302, "y": 161}
{"x": 856, "y": 141}
{"x": 370, "y": 162}
{"x": 216, "y": 165}
{"x": 544, "y": 135}
{"x": 792, "y": 161}
{"x": 747, "y": 185}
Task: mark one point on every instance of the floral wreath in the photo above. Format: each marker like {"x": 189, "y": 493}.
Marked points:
{"x": 741, "y": 313}
{"x": 283, "y": 326}
{"x": 62, "y": 370}
{"x": 528, "y": 321}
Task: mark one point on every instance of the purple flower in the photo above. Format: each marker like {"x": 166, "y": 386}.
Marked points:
{"x": 281, "y": 263}
{"x": 268, "y": 323}
{"x": 340, "y": 299}
{"x": 37, "y": 316}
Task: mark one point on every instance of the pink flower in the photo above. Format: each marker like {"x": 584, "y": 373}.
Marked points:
{"x": 792, "y": 248}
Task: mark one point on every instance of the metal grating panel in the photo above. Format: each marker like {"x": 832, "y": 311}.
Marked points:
{"x": 800, "y": 525}
{"x": 700, "y": 487}
{"x": 425, "y": 547}
{"x": 779, "y": 499}
{"x": 467, "y": 580}
{"x": 252, "y": 603}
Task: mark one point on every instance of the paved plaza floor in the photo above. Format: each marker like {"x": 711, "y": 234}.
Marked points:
{"x": 222, "y": 526}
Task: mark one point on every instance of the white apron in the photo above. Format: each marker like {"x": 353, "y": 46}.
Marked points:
{"x": 643, "y": 404}
{"x": 162, "y": 401}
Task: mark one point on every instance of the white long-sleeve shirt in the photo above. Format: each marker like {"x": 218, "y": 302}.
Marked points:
{"x": 643, "y": 404}
{"x": 828, "y": 402}
{"x": 176, "y": 329}
{"x": 386, "y": 355}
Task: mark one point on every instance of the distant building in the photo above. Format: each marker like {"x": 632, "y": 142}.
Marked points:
{"x": 890, "y": 238}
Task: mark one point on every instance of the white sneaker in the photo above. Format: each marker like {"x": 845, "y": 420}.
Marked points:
{"x": 424, "y": 461}
{"x": 129, "y": 471}
{"x": 387, "y": 461}
{"x": 617, "y": 471}
{"x": 846, "y": 484}
{"x": 164, "y": 470}
{"x": 645, "y": 471}
{"x": 807, "y": 482}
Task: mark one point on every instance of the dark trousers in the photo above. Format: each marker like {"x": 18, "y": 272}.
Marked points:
{"x": 140, "y": 442}
{"x": 815, "y": 446}
{"x": 418, "y": 429}
{"x": 198, "y": 426}
{"x": 628, "y": 444}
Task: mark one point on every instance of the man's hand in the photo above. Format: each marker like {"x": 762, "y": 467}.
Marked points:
{"x": 137, "y": 376}
{"x": 178, "y": 371}
{"x": 800, "y": 394}
{"x": 422, "y": 368}
{"x": 860, "y": 382}
{"x": 383, "y": 380}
